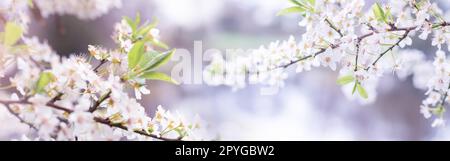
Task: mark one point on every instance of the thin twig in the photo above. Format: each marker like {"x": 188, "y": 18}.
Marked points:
{"x": 120, "y": 126}
{"x": 8, "y": 107}
{"x": 389, "y": 49}
{"x": 360, "y": 38}
{"x": 358, "y": 43}
{"x": 334, "y": 27}
{"x": 96, "y": 119}
{"x": 99, "y": 65}
{"x": 100, "y": 101}
{"x": 445, "y": 96}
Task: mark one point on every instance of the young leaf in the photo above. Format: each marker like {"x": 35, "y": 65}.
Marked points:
{"x": 131, "y": 23}
{"x": 158, "y": 76}
{"x": 160, "y": 60}
{"x": 44, "y": 79}
{"x": 354, "y": 87}
{"x": 439, "y": 110}
{"x": 345, "y": 80}
{"x": 160, "y": 44}
{"x": 291, "y": 10}
{"x": 30, "y": 3}
{"x": 295, "y": 2}
{"x": 13, "y": 32}
{"x": 312, "y": 2}
{"x": 362, "y": 92}
{"x": 137, "y": 21}
{"x": 379, "y": 12}
{"x": 145, "y": 61}
{"x": 388, "y": 15}
{"x": 144, "y": 30}
{"x": 135, "y": 54}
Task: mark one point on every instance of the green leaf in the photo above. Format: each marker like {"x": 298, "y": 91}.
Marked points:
{"x": 379, "y": 12}
{"x": 30, "y": 3}
{"x": 389, "y": 17}
{"x": 439, "y": 110}
{"x": 345, "y": 80}
{"x": 135, "y": 54}
{"x": 158, "y": 76}
{"x": 159, "y": 60}
{"x": 44, "y": 79}
{"x": 295, "y": 2}
{"x": 354, "y": 87}
{"x": 160, "y": 44}
{"x": 362, "y": 92}
{"x": 137, "y": 20}
{"x": 144, "y": 30}
{"x": 131, "y": 23}
{"x": 145, "y": 61}
{"x": 13, "y": 32}
{"x": 291, "y": 10}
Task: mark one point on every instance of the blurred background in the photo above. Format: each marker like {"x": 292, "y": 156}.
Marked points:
{"x": 310, "y": 107}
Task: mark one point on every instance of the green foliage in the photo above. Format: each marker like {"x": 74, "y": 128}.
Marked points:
{"x": 44, "y": 79}
{"x": 291, "y": 10}
{"x": 135, "y": 54}
{"x": 142, "y": 62}
{"x": 142, "y": 32}
{"x": 301, "y": 6}
{"x": 345, "y": 80}
{"x": 439, "y": 110}
{"x": 151, "y": 61}
{"x": 354, "y": 87}
{"x": 362, "y": 92}
{"x": 30, "y": 3}
{"x": 158, "y": 76}
{"x": 158, "y": 60}
{"x": 379, "y": 13}
{"x": 13, "y": 32}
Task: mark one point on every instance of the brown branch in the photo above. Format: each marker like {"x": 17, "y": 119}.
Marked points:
{"x": 390, "y": 48}
{"x": 322, "y": 50}
{"x": 100, "y": 101}
{"x": 8, "y": 107}
{"x": 360, "y": 38}
{"x": 445, "y": 96}
{"x": 141, "y": 132}
{"x": 358, "y": 43}
{"x": 96, "y": 119}
{"x": 334, "y": 27}
{"x": 99, "y": 65}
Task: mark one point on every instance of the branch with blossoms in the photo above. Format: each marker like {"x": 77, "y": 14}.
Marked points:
{"x": 342, "y": 33}
{"x": 107, "y": 122}
{"x": 85, "y": 97}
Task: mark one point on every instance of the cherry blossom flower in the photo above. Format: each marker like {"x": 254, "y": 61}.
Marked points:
{"x": 363, "y": 45}
{"x": 72, "y": 98}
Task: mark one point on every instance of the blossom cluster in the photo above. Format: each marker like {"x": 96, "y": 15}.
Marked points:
{"x": 84, "y": 97}
{"x": 362, "y": 45}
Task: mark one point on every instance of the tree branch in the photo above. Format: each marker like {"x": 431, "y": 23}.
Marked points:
{"x": 334, "y": 27}
{"x": 52, "y": 104}
{"x": 141, "y": 132}
{"x": 360, "y": 38}
{"x": 8, "y": 107}
{"x": 390, "y": 48}
{"x": 100, "y": 101}
{"x": 99, "y": 65}
{"x": 445, "y": 96}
